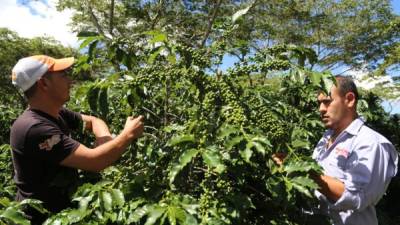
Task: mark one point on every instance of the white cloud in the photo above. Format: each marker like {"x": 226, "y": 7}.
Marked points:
{"x": 391, "y": 106}
{"x": 363, "y": 81}
{"x": 36, "y": 19}
{"x": 370, "y": 82}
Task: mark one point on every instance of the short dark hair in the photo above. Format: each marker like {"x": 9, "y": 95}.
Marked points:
{"x": 31, "y": 91}
{"x": 345, "y": 85}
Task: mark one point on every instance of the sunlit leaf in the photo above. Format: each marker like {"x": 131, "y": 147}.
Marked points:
{"x": 14, "y": 215}
{"x": 302, "y": 184}
{"x": 154, "y": 55}
{"x": 154, "y": 213}
{"x": 240, "y": 13}
{"x": 176, "y": 214}
{"x": 234, "y": 141}
{"x": 88, "y": 40}
{"x": 184, "y": 159}
{"x": 117, "y": 197}
{"x": 247, "y": 152}
{"x": 227, "y": 130}
{"x": 34, "y": 203}
{"x": 159, "y": 37}
{"x": 300, "y": 166}
{"x": 213, "y": 160}
{"x": 138, "y": 214}
{"x": 300, "y": 144}
{"x": 181, "y": 139}
{"x": 106, "y": 200}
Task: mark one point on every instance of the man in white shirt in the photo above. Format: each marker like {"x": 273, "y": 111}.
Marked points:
{"x": 358, "y": 163}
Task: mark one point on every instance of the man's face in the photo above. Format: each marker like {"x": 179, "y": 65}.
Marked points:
{"x": 333, "y": 109}
{"x": 60, "y": 85}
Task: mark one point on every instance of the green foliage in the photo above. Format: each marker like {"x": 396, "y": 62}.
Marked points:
{"x": 7, "y": 186}
{"x": 205, "y": 155}
{"x": 99, "y": 203}
{"x": 351, "y": 33}
{"x": 8, "y": 113}
{"x": 12, "y": 212}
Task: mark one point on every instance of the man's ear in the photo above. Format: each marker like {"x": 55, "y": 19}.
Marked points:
{"x": 350, "y": 99}
{"x": 43, "y": 83}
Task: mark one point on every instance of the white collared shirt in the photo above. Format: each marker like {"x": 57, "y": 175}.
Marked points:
{"x": 365, "y": 162}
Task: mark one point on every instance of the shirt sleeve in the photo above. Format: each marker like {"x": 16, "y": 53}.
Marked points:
{"x": 49, "y": 143}
{"x": 368, "y": 172}
{"x": 73, "y": 119}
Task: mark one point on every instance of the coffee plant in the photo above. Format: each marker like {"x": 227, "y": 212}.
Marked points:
{"x": 205, "y": 154}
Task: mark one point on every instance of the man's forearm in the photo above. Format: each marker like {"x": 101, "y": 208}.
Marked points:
{"x": 104, "y": 155}
{"x": 109, "y": 152}
{"x": 100, "y": 128}
{"x": 331, "y": 187}
{"x": 100, "y": 157}
{"x": 100, "y": 131}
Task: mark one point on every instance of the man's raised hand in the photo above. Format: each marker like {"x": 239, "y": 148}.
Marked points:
{"x": 279, "y": 157}
{"x": 134, "y": 127}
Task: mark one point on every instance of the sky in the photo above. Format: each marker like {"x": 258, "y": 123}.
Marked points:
{"x": 33, "y": 18}
{"x": 37, "y": 18}
{"x": 396, "y": 6}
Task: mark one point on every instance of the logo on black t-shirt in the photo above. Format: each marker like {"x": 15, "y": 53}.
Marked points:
{"x": 49, "y": 143}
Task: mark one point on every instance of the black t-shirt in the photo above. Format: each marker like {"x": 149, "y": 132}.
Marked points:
{"x": 39, "y": 143}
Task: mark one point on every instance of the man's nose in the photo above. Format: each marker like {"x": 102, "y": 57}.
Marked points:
{"x": 322, "y": 108}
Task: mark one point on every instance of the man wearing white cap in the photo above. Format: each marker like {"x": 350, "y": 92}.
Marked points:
{"x": 42, "y": 149}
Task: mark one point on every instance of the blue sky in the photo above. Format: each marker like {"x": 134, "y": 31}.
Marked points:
{"x": 33, "y": 10}
{"x": 396, "y": 6}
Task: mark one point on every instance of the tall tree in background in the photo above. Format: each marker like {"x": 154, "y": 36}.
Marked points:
{"x": 345, "y": 35}
{"x": 351, "y": 33}
{"x": 342, "y": 33}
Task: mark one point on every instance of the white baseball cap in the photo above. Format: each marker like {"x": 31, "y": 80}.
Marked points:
{"x": 30, "y": 69}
